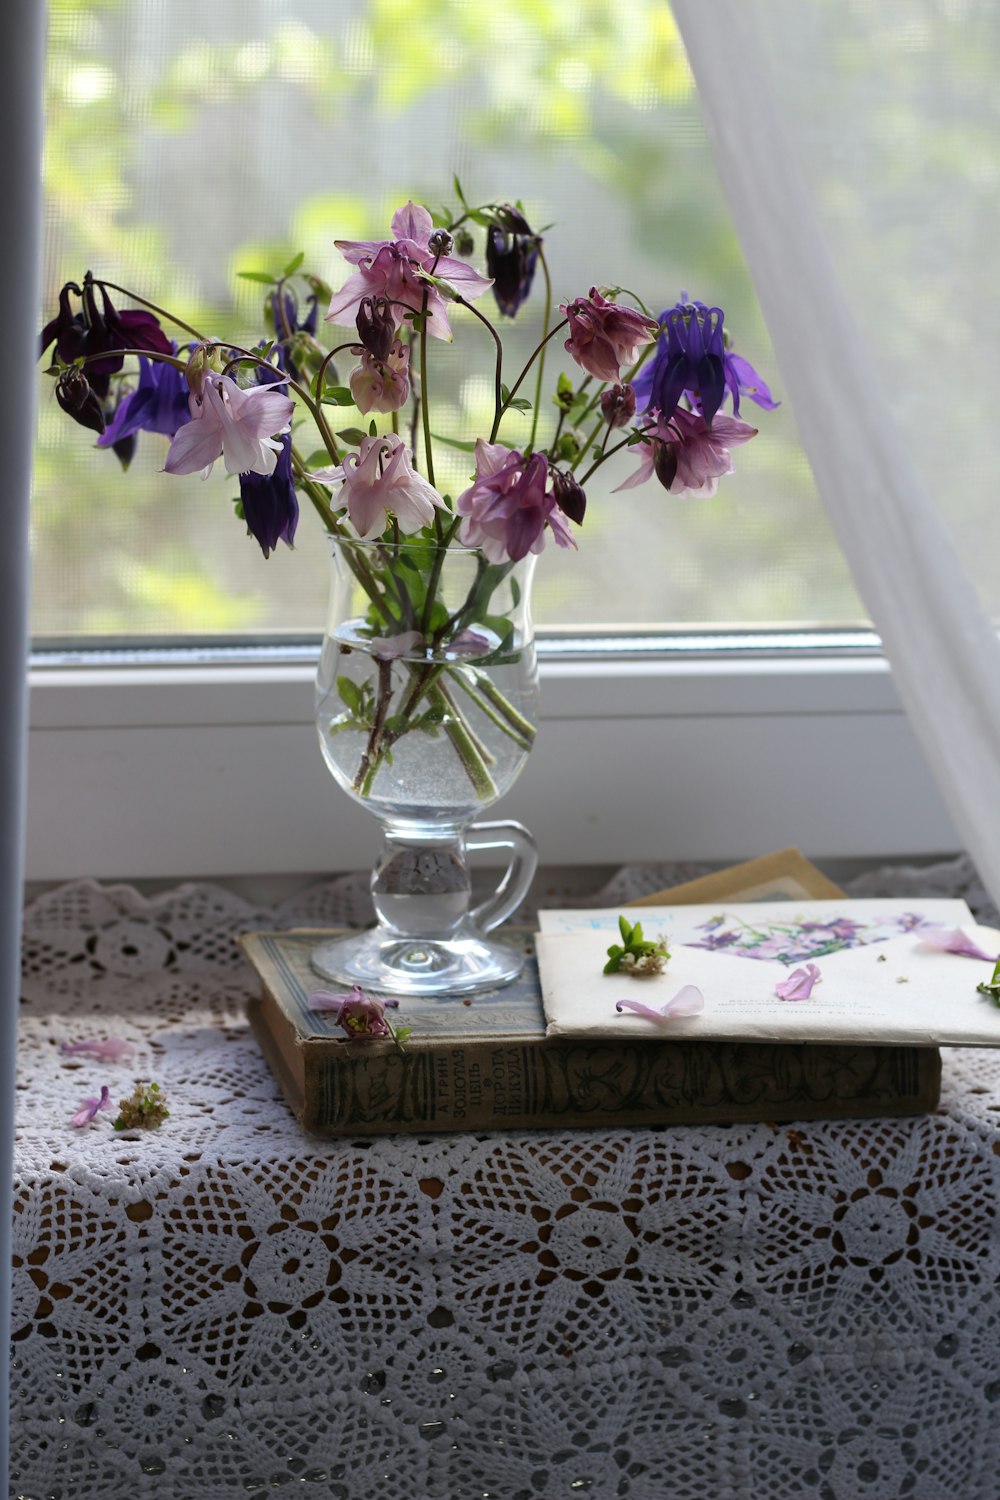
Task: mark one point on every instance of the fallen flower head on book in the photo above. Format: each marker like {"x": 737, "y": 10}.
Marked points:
{"x": 361, "y": 1016}
{"x": 635, "y": 955}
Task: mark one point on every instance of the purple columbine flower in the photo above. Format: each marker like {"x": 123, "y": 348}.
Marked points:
{"x": 159, "y": 403}
{"x": 689, "y": 360}
{"x": 692, "y": 360}
{"x": 358, "y": 1014}
{"x": 270, "y": 504}
{"x": 688, "y": 1001}
{"x": 511, "y": 257}
{"x": 799, "y": 985}
{"x": 89, "y": 1108}
{"x": 953, "y": 940}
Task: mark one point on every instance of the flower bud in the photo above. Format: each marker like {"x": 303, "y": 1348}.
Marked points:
{"x": 665, "y": 462}
{"x": 78, "y": 400}
{"x": 464, "y": 243}
{"x": 618, "y": 405}
{"x": 440, "y": 242}
{"x": 569, "y": 495}
{"x": 376, "y": 327}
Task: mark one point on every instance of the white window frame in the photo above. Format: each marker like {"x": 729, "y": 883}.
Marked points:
{"x": 683, "y": 747}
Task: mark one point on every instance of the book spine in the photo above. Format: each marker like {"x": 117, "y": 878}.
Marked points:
{"x": 562, "y": 1082}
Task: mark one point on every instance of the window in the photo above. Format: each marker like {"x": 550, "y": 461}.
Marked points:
{"x": 188, "y": 143}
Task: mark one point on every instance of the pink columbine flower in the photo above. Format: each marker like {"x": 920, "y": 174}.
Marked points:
{"x": 379, "y": 481}
{"x": 800, "y": 982}
{"x": 688, "y": 1001}
{"x": 382, "y": 385}
{"x": 603, "y": 335}
{"x": 507, "y": 508}
{"x": 90, "y": 1107}
{"x": 109, "y": 1049}
{"x": 953, "y": 940}
{"x": 358, "y": 1014}
{"x": 239, "y": 426}
{"x": 391, "y": 269}
{"x": 688, "y": 457}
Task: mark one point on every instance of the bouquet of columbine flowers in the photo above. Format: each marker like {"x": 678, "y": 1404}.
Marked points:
{"x": 654, "y": 386}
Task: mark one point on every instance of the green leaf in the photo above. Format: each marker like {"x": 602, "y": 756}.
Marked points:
{"x": 350, "y": 694}
{"x": 373, "y": 428}
{"x": 637, "y": 437}
{"x": 319, "y": 458}
{"x": 339, "y": 395}
{"x": 515, "y": 591}
{"x": 458, "y": 190}
{"x": 625, "y": 928}
{"x": 564, "y": 385}
{"x": 293, "y": 265}
{"x": 260, "y": 276}
{"x": 519, "y": 404}
{"x": 504, "y": 393}
{"x": 353, "y": 435}
{"x": 450, "y": 442}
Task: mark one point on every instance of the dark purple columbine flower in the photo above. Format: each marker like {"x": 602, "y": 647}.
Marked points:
{"x": 270, "y": 504}
{"x": 376, "y": 327}
{"x": 100, "y": 331}
{"x": 692, "y": 360}
{"x": 159, "y": 403}
{"x": 511, "y": 257}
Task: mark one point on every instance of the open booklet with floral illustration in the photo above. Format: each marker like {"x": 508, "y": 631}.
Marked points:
{"x": 876, "y": 971}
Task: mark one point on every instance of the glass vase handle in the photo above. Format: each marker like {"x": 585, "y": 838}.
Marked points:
{"x": 519, "y": 874}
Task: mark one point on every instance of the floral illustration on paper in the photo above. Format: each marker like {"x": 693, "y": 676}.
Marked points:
{"x": 793, "y": 940}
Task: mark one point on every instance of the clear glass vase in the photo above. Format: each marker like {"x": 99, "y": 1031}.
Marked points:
{"x": 426, "y": 709}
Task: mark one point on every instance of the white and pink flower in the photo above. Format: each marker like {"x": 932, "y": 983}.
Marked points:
{"x": 380, "y": 481}
{"x": 241, "y": 427}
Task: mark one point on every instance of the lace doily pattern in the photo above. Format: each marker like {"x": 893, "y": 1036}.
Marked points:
{"x": 225, "y": 1307}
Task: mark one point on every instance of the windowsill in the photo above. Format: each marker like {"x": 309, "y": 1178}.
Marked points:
{"x": 691, "y": 750}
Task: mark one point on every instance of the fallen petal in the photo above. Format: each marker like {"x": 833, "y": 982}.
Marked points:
{"x": 687, "y": 1002}
{"x": 89, "y": 1108}
{"x": 953, "y": 940}
{"x": 799, "y": 984}
{"x": 109, "y": 1048}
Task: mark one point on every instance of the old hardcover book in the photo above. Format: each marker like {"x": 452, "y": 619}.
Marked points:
{"x": 486, "y": 1064}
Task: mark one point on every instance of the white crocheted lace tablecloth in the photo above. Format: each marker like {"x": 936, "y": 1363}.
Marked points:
{"x": 227, "y": 1308}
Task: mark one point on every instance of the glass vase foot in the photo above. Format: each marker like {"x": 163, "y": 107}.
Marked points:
{"x": 394, "y": 965}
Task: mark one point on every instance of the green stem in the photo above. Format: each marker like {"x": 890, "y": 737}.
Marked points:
{"x": 545, "y": 332}
{"x": 616, "y": 449}
{"x": 508, "y": 719}
{"x": 160, "y": 311}
{"x": 498, "y": 408}
{"x": 425, "y": 410}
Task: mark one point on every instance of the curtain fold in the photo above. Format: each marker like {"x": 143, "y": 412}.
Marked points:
{"x": 940, "y": 643}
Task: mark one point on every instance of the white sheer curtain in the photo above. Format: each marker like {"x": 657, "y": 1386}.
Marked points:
{"x": 752, "y": 61}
